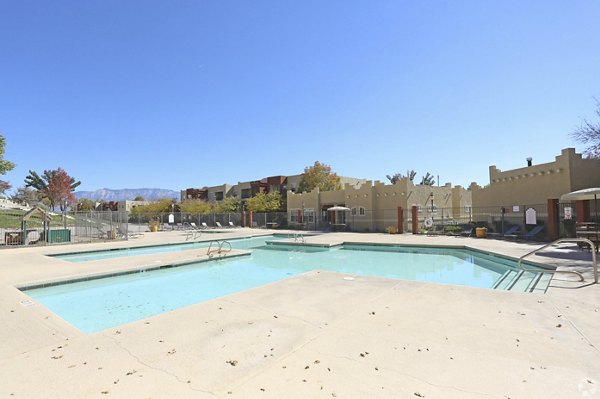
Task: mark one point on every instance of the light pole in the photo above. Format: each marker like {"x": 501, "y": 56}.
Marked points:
{"x": 431, "y": 204}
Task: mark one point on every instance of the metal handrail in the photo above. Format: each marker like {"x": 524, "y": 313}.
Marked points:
{"x": 560, "y": 240}
{"x": 299, "y": 237}
{"x": 220, "y": 248}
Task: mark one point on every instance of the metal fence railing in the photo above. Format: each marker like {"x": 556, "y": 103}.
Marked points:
{"x": 68, "y": 227}
{"x": 74, "y": 227}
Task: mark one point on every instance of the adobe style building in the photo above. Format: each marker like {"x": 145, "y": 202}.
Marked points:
{"x": 535, "y": 184}
{"x": 374, "y": 206}
{"x": 530, "y": 196}
{"x": 246, "y": 190}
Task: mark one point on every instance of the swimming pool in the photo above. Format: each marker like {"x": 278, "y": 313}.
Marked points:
{"x": 95, "y": 305}
{"x": 237, "y": 243}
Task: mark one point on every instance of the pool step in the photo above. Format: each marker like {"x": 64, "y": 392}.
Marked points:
{"x": 523, "y": 281}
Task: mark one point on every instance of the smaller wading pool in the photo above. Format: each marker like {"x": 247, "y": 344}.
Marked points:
{"x": 96, "y": 304}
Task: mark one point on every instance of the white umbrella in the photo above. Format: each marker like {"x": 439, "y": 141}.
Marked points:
{"x": 585, "y": 194}
{"x": 338, "y": 208}
{"x": 591, "y": 193}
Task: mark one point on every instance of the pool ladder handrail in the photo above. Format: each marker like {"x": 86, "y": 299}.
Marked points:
{"x": 561, "y": 240}
{"x": 219, "y": 249}
{"x": 299, "y": 237}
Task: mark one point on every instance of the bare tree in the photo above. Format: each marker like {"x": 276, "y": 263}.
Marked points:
{"x": 589, "y": 134}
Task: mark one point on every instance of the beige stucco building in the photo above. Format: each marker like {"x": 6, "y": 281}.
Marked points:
{"x": 535, "y": 184}
{"x": 373, "y": 206}
{"x": 245, "y": 190}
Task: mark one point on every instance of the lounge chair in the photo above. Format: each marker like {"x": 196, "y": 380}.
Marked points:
{"x": 193, "y": 232}
{"x": 530, "y": 235}
{"x": 204, "y": 225}
{"x": 231, "y": 224}
{"x": 219, "y": 225}
{"x": 121, "y": 232}
{"x": 467, "y": 230}
{"x": 512, "y": 232}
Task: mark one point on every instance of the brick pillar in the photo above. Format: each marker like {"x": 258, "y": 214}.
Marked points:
{"x": 582, "y": 210}
{"x": 400, "y": 220}
{"x": 415, "y": 220}
{"x": 250, "y": 224}
{"x": 552, "y": 205}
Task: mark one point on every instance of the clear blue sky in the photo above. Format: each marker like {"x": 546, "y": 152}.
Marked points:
{"x": 177, "y": 94}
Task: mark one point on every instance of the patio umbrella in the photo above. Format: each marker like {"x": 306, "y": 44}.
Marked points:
{"x": 591, "y": 193}
{"x": 338, "y": 208}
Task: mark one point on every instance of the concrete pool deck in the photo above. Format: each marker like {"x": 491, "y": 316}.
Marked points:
{"x": 316, "y": 335}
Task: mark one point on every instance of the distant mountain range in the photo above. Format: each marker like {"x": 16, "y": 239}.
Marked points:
{"x": 107, "y": 194}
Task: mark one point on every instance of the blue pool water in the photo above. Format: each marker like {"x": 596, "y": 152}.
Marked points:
{"x": 94, "y": 305}
{"x": 239, "y": 243}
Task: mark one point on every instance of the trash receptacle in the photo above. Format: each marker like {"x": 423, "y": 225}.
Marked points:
{"x": 59, "y": 235}
{"x": 481, "y": 232}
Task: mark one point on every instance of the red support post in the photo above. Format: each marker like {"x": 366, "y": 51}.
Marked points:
{"x": 552, "y": 226}
{"x": 400, "y": 220}
{"x": 415, "y": 220}
{"x": 582, "y": 210}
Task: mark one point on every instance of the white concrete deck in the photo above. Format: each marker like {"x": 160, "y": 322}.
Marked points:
{"x": 316, "y": 335}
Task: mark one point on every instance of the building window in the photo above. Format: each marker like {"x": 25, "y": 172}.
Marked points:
{"x": 361, "y": 211}
{"x": 468, "y": 209}
{"x": 294, "y": 215}
{"x": 219, "y": 195}
{"x": 309, "y": 215}
{"x": 419, "y": 208}
{"x": 353, "y": 211}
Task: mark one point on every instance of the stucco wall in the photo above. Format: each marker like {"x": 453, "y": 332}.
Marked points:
{"x": 535, "y": 184}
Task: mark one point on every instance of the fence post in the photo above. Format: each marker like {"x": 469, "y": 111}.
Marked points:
{"x": 415, "y": 220}
{"x": 582, "y": 210}
{"x": 552, "y": 218}
{"x": 400, "y": 220}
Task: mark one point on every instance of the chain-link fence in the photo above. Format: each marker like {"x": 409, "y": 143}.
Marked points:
{"x": 73, "y": 227}
{"x": 18, "y": 228}
{"x": 516, "y": 220}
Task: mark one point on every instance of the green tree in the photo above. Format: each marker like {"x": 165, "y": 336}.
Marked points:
{"x": 85, "y": 204}
{"x": 227, "y": 205}
{"x": 427, "y": 180}
{"x": 589, "y": 134}
{"x": 153, "y": 210}
{"x": 139, "y": 198}
{"x": 41, "y": 184}
{"x": 5, "y": 166}
{"x": 410, "y": 175}
{"x": 265, "y": 202}
{"x": 195, "y": 206}
{"x": 319, "y": 176}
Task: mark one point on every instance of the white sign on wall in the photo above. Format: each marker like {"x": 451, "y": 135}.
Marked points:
{"x": 530, "y": 216}
{"x": 171, "y": 218}
{"x": 568, "y": 213}
{"x": 516, "y": 208}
